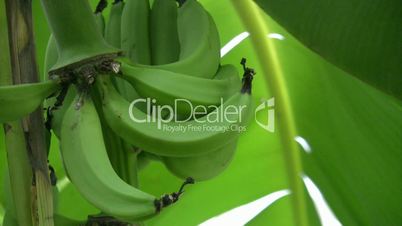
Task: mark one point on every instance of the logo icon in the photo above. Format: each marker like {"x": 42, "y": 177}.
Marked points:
{"x": 267, "y": 104}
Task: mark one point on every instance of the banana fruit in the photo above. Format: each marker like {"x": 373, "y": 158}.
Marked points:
{"x": 113, "y": 27}
{"x": 100, "y": 22}
{"x": 135, "y": 31}
{"x": 202, "y": 167}
{"x": 165, "y": 46}
{"x": 20, "y": 100}
{"x": 51, "y": 56}
{"x": 58, "y": 113}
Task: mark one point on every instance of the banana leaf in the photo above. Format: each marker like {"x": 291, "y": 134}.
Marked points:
{"x": 360, "y": 37}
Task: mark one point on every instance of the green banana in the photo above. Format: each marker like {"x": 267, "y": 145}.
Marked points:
{"x": 169, "y": 87}
{"x": 58, "y": 113}
{"x": 51, "y": 56}
{"x": 113, "y": 27}
{"x": 200, "y": 47}
{"x": 110, "y": 139}
{"x": 20, "y": 100}
{"x": 165, "y": 46}
{"x": 135, "y": 31}
{"x": 151, "y": 135}
{"x": 99, "y": 18}
{"x": 202, "y": 167}
{"x": 87, "y": 164}
{"x": 100, "y": 22}
{"x": 113, "y": 37}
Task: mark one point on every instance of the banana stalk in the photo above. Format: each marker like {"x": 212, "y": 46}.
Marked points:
{"x": 77, "y": 36}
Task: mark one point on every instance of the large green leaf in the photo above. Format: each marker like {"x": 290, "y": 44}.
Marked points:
{"x": 361, "y": 37}
{"x": 355, "y": 134}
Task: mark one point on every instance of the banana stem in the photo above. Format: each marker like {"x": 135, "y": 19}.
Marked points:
{"x": 27, "y": 152}
{"x": 77, "y": 36}
{"x": 265, "y": 49}
{"x": 72, "y": 23}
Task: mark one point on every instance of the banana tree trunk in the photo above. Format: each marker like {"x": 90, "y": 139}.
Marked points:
{"x": 24, "y": 70}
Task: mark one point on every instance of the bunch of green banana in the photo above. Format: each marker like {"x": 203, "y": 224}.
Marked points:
{"x": 165, "y": 59}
